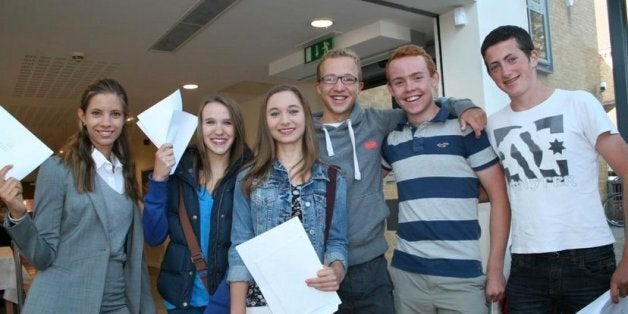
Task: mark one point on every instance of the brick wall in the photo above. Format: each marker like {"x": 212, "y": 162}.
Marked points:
{"x": 574, "y": 46}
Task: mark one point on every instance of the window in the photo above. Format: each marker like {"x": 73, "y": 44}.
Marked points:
{"x": 540, "y": 33}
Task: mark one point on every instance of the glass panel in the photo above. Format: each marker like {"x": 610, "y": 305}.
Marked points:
{"x": 537, "y": 31}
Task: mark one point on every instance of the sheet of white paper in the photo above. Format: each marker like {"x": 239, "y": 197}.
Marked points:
{"x": 604, "y": 305}
{"x": 19, "y": 147}
{"x": 155, "y": 121}
{"x": 280, "y": 260}
{"x": 182, "y": 127}
{"x": 165, "y": 122}
{"x": 259, "y": 310}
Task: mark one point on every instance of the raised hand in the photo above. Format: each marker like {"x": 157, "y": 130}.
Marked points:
{"x": 164, "y": 161}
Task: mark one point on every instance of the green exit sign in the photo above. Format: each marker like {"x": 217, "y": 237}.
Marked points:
{"x": 317, "y": 50}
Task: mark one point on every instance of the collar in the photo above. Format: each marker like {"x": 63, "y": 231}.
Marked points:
{"x": 441, "y": 116}
{"x": 100, "y": 159}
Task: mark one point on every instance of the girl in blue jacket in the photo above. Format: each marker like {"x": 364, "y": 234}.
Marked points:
{"x": 206, "y": 176}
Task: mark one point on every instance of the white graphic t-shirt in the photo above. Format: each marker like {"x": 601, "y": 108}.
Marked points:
{"x": 551, "y": 168}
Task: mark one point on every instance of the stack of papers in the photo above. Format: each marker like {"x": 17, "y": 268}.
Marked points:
{"x": 280, "y": 260}
{"x": 166, "y": 122}
{"x": 19, "y": 147}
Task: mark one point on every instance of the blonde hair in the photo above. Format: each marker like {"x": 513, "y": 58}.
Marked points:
{"x": 338, "y": 53}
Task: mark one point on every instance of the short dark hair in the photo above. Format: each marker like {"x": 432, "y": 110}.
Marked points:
{"x": 506, "y": 32}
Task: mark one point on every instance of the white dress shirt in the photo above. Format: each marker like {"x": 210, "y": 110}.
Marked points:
{"x": 110, "y": 172}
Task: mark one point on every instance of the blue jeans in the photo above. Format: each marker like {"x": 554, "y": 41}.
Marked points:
{"x": 367, "y": 288}
{"x": 559, "y": 282}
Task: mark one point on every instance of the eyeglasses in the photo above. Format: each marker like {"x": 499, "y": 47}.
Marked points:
{"x": 346, "y": 79}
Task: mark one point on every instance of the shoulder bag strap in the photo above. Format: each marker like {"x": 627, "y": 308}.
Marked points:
{"x": 190, "y": 238}
{"x": 330, "y": 197}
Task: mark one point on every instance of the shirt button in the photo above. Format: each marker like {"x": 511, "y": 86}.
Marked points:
{"x": 185, "y": 304}
{"x": 194, "y": 217}
{"x": 307, "y": 204}
{"x": 191, "y": 273}
{"x": 312, "y": 232}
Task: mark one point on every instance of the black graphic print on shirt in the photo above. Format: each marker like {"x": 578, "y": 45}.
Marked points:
{"x": 534, "y": 155}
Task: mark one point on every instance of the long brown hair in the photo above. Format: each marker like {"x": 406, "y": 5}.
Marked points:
{"x": 237, "y": 149}
{"x": 266, "y": 153}
{"x": 77, "y": 152}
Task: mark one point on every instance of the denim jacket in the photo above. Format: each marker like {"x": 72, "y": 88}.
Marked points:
{"x": 270, "y": 205}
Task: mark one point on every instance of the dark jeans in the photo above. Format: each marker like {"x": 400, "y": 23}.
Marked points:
{"x": 559, "y": 282}
{"x": 367, "y": 288}
{"x": 189, "y": 310}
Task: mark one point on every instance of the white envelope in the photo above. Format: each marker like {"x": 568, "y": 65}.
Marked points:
{"x": 280, "y": 260}
{"x": 166, "y": 122}
{"x": 604, "y": 305}
{"x": 19, "y": 147}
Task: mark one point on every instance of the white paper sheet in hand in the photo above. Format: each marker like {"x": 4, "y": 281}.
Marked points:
{"x": 604, "y": 305}
{"x": 165, "y": 122}
{"x": 19, "y": 147}
{"x": 280, "y": 260}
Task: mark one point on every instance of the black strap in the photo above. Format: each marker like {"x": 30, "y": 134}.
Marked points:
{"x": 330, "y": 197}
{"x": 195, "y": 250}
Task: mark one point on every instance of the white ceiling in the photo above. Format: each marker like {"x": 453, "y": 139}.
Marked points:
{"x": 40, "y": 83}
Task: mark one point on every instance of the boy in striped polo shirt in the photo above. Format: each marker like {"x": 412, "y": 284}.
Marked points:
{"x": 438, "y": 168}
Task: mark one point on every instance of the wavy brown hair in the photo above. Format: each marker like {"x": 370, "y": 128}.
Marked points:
{"x": 265, "y": 149}
{"x": 77, "y": 152}
{"x": 237, "y": 149}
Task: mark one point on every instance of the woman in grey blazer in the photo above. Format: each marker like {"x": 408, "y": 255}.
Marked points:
{"x": 86, "y": 237}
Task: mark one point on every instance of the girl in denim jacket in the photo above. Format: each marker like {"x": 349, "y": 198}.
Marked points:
{"x": 286, "y": 180}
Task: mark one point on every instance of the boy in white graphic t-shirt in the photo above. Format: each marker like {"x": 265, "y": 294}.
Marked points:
{"x": 548, "y": 141}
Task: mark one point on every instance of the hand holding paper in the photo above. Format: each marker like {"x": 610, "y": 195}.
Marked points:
{"x": 19, "y": 147}
{"x": 166, "y": 122}
{"x": 604, "y": 305}
{"x": 281, "y": 260}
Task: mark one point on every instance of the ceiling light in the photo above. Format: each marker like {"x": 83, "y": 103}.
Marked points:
{"x": 190, "y": 86}
{"x": 322, "y": 23}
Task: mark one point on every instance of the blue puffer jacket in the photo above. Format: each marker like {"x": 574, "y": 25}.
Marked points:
{"x": 176, "y": 278}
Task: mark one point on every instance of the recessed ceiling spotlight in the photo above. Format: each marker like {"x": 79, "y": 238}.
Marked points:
{"x": 322, "y": 23}
{"x": 190, "y": 86}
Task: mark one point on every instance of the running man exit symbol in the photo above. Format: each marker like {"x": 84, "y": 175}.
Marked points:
{"x": 318, "y": 49}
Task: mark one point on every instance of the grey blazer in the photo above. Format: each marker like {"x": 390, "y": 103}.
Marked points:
{"x": 67, "y": 242}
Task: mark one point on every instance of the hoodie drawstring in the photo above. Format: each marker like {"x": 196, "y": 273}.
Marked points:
{"x": 330, "y": 148}
{"x": 356, "y": 166}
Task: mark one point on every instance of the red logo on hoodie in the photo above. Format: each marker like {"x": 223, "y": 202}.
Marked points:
{"x": 370, "y": 145}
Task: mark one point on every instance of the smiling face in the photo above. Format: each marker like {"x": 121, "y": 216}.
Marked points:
{"x": 510, "y": 68}
{"x": 285, "y": 118}
{"x": 338, "y": 98}
{"x": 410, "y": 83}
{"x": 218, "y": 129}
{"x": 103, "y": 119}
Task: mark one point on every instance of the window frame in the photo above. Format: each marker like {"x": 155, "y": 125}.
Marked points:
{"x": 539, "y": 28}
